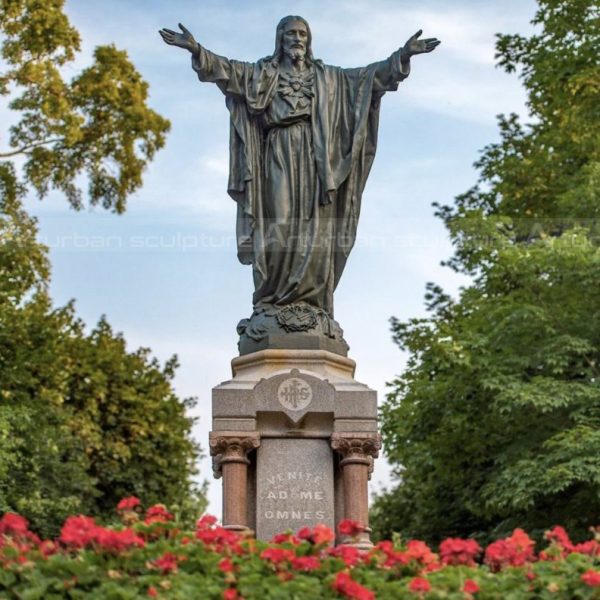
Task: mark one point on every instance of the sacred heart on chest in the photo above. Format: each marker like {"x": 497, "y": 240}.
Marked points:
{"x": 296, "y": 88}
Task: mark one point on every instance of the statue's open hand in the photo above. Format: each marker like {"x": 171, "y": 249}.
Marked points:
{"x": 183, "y": 40}
{"x": 416, "y": 46}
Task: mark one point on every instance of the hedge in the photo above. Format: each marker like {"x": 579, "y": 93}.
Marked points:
{"x": 148, "y": 555}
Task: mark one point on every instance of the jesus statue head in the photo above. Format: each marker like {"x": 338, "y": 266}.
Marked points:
{"x": 293, "y": 40}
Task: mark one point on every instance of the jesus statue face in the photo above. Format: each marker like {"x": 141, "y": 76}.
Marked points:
{"x": 294, "y": 40}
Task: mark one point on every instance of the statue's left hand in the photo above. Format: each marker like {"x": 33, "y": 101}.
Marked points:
{"x": 182, "y": 40}
{"x": 416, "y": 46}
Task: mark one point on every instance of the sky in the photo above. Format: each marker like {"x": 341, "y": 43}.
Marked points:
{"x": 166, "y": 274}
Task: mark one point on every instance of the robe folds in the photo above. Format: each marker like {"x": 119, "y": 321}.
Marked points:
{"x": 297, "y": 172}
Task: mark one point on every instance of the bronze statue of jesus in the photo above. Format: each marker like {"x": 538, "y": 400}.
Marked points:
{"x": 302, "y": 142}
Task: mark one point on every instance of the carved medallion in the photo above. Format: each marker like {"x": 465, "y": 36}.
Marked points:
{"x": 294, "y": 394}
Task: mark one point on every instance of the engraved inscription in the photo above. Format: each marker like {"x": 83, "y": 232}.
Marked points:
{"x": 294, "y": 485}
{"x": 279, "y": 489}
{"x": 294, "y": 394}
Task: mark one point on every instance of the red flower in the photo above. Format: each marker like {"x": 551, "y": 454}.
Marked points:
{"x": 152, "y": 592}
{"x": 306, "y": 563}
{"x": 158, "y": 514}
{"x": 392, "y": 556}
{"x": 421, "y": 552}
{"x": 349, "y": 554}
{"x": 219, "y": 537}
{"x": 319, "y": 534}
{"x": 322, "y": 534}
{"x": 78, "y": 531}
{"x": 560, "y": 536}
{"x": 282, "y": 538}
{"x": 117, "y": 541}
{"x": 167, "y": 563}
{"x": 561, "y": 545}
{"x": 454, "y": 551}
{"x": 592, "y": 548}
{"x": 305, "y": 533}
{"x": 277, "y": 555}
{"x": 514, "y": 551}
{"x": 351, "y": 528}
{"x": 48, "y": 548}
{"x": 225, "y": 565}
{"x": 385, "y": 546}
{"x": 128, "y": 503}
{"x": 13, "y": 525}
{"x": 230, "y": 594}
{"x": 591, "y": 578}
{"x": 418, "y": 585}
{"x": 470, "y": 587}
{"x": 344, "y": 584}
{"x": 206, "y": 522}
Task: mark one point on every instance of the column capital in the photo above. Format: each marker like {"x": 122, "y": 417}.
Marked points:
{"x": 356, "y": 447}
{"x": 231, "y": 447}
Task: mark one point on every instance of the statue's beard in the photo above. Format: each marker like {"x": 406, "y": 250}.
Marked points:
{"x": 295, "y": 54}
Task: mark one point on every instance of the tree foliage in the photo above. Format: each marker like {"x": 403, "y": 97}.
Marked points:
{"x": 83, "y": 420}
{"x": 496, "y": 421}
{"x": 98, "y": 124}
{"x": 42, "y": 466}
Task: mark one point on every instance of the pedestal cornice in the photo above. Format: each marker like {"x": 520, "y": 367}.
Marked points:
{"x": 320, "y": 361}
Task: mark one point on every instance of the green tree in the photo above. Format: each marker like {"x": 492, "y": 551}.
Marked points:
{"x": 98, "y": 124}
{"x": 42, "y": 463}
{"x": 496, "y": 421}
{"x": 83, "y": 421}
{"x": 136, "y": 435}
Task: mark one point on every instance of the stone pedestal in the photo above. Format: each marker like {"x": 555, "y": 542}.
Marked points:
{"x": 294, "y": 438}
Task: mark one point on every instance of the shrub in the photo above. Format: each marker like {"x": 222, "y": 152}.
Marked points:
{"x": 150, "y": 555}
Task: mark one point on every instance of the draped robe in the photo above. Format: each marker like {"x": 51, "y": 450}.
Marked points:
{"x": 298, "y": 173}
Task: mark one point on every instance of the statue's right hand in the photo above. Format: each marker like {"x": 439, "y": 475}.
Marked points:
{"x": 183, "y": 40}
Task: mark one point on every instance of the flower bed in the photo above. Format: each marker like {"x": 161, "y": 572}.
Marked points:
{"x": 149, "y": 556}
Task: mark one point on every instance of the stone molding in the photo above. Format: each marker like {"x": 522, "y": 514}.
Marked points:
{"x": 357, "y": 448}
{"x": 306, "y": 360}
{"x": 231, "y": 447}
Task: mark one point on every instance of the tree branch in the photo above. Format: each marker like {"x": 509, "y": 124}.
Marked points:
{"x": 29, "y": 147}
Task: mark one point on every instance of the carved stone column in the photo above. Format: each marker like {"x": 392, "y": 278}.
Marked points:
{"x": 357, "y": 452}
{"x": 229, "y": 450}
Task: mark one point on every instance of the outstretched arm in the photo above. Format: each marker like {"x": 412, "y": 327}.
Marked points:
{"x": 397, "y": 67}
{"x": 416, "y": 46}
{"x": 227, "y": 74}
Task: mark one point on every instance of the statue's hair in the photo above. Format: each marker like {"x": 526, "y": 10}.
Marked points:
{"x": 278, "y": 54}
